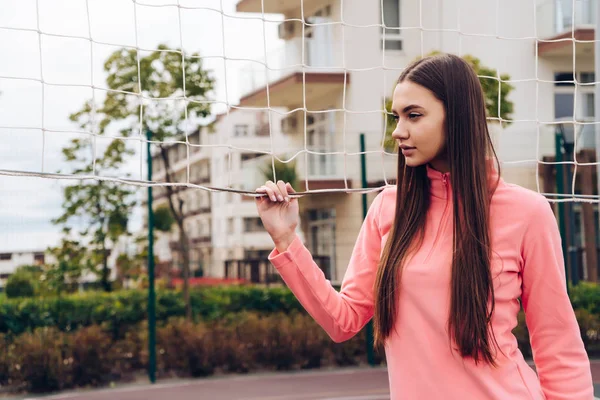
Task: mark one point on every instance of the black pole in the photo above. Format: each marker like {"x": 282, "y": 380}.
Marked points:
{"x": 558, "y": 147}
{"x": 151, "y": 292}
{"x": 572, "y": 245}
{"x": 363, "y": 170}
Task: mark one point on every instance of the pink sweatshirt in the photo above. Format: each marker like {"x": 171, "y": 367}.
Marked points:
{"x": 527, "y": 263}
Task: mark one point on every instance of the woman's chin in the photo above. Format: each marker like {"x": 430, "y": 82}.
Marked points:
{"x": 413, "y": 162}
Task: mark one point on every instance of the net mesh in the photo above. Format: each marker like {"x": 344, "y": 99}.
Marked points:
{"x": 322, "y": 50}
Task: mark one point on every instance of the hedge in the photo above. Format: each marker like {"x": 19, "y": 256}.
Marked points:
{"x": 102, "y": 337}
{"x": 122, "y": 309}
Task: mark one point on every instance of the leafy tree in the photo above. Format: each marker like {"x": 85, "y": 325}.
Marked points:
{"x": 163, "y": 219}
{"x": 19, "y": 285}
{"x": 72, "y": 261}
{"x": 30, "y": 273}
{"x": 173, "y": 86}
{"x": 490, "y": 91}
{"x": 284, "y": 171}
{"x": 128, "y": 267}
{"x": 103, "y": 206}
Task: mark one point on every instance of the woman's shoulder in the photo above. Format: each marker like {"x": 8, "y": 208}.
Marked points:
{"x": 519, "y": 200}
{"x": 387, "y": 197}
{"x": 386, "y": 202}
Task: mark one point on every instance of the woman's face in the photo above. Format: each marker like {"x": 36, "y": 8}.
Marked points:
{"x": 420, "y": 129}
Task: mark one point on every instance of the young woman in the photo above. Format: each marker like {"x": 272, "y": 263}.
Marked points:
{"x": 445, "y": 258}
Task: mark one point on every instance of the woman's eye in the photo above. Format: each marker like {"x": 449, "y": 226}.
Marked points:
{"x": 395, "y": 117}
{"x": 413, "y": 115}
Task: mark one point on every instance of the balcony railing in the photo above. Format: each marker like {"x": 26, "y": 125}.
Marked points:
{"x": 287, "y": 59}
{"x": 559, "y": 16}
{"x": 262, "y": 271}
{"x": 319, "y": 167}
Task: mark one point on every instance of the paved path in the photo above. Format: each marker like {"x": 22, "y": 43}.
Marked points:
{"x": 338, "y": 384}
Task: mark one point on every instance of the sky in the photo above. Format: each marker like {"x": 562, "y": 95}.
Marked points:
{"x": 71, "y": 66}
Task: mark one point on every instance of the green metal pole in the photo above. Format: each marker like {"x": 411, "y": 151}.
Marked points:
{"x": 151, "y": 292}
{"x": 561, "y": 206}
{"x": 363, "y": 173}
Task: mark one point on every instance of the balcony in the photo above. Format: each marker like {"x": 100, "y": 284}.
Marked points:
{"x": 263, "y": 272}
{"x": 271, "y": 6}
{"x": 560, "y": 20}
{"x": 290, "y": 77}
{"x": 322, "y": 172}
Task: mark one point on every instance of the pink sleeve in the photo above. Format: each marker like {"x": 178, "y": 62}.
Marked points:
{"x": 342, "y": 314}
{"x": 561, "y": 361}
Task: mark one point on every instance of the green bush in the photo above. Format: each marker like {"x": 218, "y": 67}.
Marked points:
{"x": 19, "y": 285}
{"x": 586, "y": 296}
{"x": 118, "y": 311}
{"x": 102, "y": 337}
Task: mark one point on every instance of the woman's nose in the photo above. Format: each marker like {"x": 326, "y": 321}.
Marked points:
{"x": 400, "y": 133}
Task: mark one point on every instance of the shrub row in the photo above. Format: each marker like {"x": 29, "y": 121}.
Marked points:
{"x": 48, "y": 359}
{"x": 92, "y": 338}
{"x": 123, "y": 309}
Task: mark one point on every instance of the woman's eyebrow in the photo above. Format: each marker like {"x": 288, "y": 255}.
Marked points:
{"x": 410, "y": 107}
{"x": 407, "y": 108}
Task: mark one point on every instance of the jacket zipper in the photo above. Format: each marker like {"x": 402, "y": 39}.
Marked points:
{"x": 442, "y": 224}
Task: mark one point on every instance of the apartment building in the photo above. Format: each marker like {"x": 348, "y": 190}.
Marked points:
{"x": 326, "y": 84}
{"x": 337, "y": 65}
{"x": 226, "y": 236}
{"x": 196, "y": 205}
{"x": 11, "y": 260}
{"x": 242, "y": 143}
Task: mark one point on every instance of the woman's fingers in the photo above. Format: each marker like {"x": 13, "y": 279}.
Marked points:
{"x": 289, "y": 187}
{"x": 277, "y": 191}
{"x": 273, "y": 190}
{"x": 283, "y": 191}
{"x": 278, "y": 196}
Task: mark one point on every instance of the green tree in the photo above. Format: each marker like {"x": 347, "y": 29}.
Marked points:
{"x": 284, "y": 171}
{"x": 72, "y": 261}
{"x": 490, "y": 88}
{"x": 175, "y": 89}
{"x": 163, "y": 219}
{"x": 103, "y": 206}
{"x": 19, "y": 285}
{"x": 31, "y": 273}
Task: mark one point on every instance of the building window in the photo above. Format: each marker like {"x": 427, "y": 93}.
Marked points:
{"x": 564, "y": 95}
{"x": 256, "y": 254}
{"x": 321, "y": 239}
{"x": 5, "y": 256}
{"x": 391, "y": 21}
{"x": 240, "y": 130}
{"x": 201, "y": 228}
{"x": 253, "y": 224}
{"x": 320, "y": 137}
{"x": 250, "y": 156}
{"x": 230, "y": 226}
{"x": 39, "y": 258}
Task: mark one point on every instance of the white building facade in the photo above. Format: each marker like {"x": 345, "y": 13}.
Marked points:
{"x": 336, "y": 75}
{"x": 10, "y": 261}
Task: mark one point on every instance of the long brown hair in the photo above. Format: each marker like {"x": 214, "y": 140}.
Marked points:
{"x": 468, "y": 146}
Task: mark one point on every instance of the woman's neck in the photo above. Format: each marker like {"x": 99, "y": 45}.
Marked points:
{"x": 440, "y": 166}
